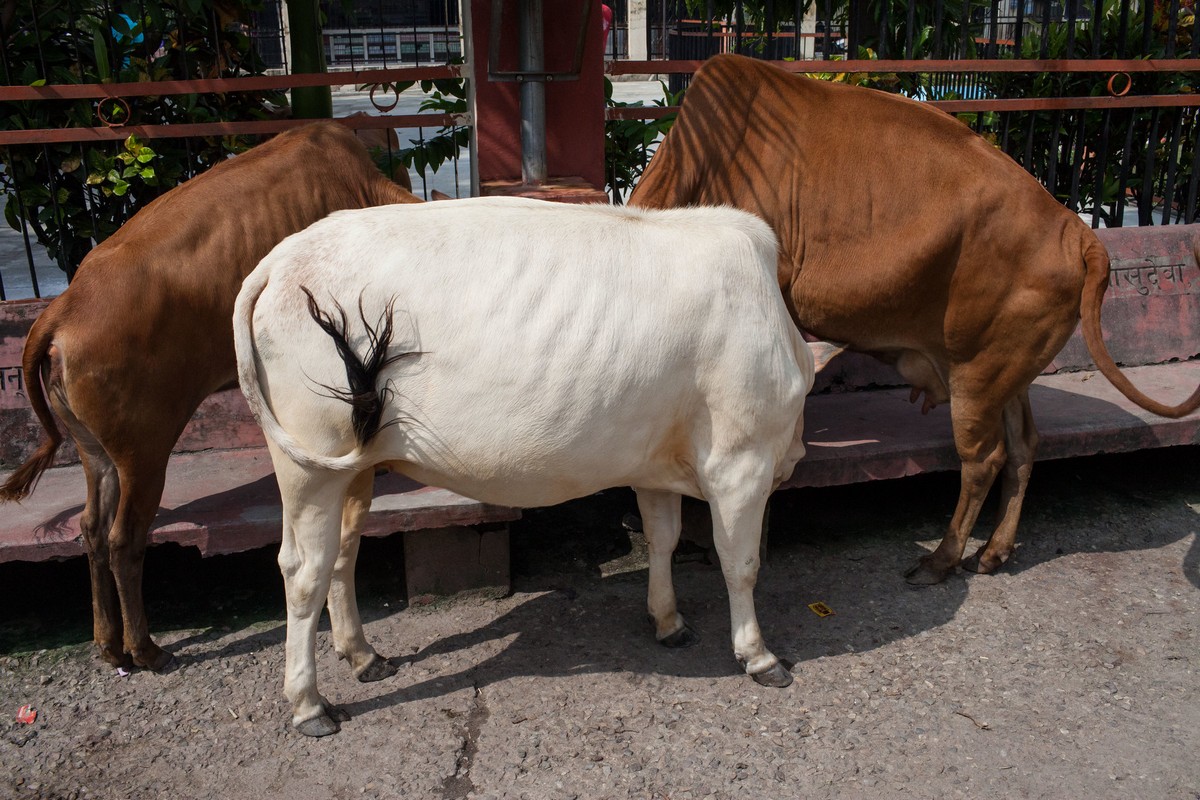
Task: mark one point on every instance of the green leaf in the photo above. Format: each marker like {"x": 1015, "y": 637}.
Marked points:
{"x": 10, "y": 213}
{"x": 100, "y": 49}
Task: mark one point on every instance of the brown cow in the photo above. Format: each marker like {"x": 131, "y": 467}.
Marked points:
{"x": 144, "y": 333}
{"x": 908, "y": 237}
{"x": 384, "y": 145}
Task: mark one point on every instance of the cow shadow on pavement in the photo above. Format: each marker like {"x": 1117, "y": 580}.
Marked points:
{"x": 577, "y": 623}
{"x": 1112, "y": 504}
{"x": 846, "y": 548}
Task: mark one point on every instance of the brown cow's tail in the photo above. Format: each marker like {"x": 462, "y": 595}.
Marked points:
{"x": 1094, "y": 284}
{"x": 37, "y": 347}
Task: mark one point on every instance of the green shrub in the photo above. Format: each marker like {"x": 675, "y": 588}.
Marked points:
{"x": 72, "y": 196}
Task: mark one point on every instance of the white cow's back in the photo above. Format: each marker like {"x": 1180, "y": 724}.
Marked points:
{"x": 564, "y": 349}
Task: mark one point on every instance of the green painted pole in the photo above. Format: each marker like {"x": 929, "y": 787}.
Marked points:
{"x": 308, "y": 57}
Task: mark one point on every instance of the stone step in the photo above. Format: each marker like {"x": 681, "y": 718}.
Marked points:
{"x": 876, "y": 435}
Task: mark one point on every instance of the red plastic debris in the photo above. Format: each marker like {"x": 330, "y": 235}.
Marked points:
{"x": 26, "y": 714}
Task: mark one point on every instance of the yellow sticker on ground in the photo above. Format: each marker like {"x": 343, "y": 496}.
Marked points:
{"x": 821, "y": 610}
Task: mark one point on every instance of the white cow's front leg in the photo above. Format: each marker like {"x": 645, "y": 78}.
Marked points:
{"x": 661, "y": 524}
{"x": 348, "y": 639}
{"x": 737, "y": 512}
{"x": 312, "y": 512}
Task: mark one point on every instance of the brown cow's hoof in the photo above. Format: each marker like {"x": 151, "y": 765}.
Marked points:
{"x": 115, "y": 656}
{"x": 154, "y": 661}
{"x": 684, "y": 637}
{"x": 926, "y": 573}
{"x": 318, "y": 726}
{"x": 978, "y": 564}
{"x": 379, "y": 669}
{"x": 777, "y": 677}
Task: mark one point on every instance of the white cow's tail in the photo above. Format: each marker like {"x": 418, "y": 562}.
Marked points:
{"x": 247, "y": 358}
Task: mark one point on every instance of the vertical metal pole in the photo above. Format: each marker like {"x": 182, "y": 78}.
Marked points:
{"x": 533, "y": 95}
{"x": 1189, "y": 211}
{"x": 285, "y": 33}
{"x": 467, "y": 48}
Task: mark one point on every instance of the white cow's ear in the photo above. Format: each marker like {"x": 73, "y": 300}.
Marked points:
{"x": 824, "y": 352}
{"x": 436, "y": 195}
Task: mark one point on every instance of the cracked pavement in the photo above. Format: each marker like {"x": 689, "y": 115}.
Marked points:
{"x": 1072, "y": 673}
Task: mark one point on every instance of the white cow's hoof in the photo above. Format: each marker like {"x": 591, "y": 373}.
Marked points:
{"x": 325, "y": 724}
{"x": 684, "y": 637}
{"x": 776, "y": 677}
{"x": 379, "y": 669}
{"x": 318, "y": 726}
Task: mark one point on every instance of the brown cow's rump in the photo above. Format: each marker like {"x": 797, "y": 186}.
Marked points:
{"x": 909, "y": 237}
{"x": 144, "y": 333}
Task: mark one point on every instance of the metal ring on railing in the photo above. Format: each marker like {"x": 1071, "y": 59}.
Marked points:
{"x": 1128, "y": 84}
{"x": 379, "y": 107}
{"x": 105, "y": 118}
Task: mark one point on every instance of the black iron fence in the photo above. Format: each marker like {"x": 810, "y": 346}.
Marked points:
{"x": 1096, "y": 98}
{"x": 109, "y": 103}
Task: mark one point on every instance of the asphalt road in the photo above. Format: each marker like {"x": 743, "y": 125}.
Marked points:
{"x": 1070, "y": 674}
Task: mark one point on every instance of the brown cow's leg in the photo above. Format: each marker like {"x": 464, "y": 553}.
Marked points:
{"x": 103, "y": 492}
{"x": 977, "y": 435}
{"x": 1021, "y": 439}
{"x": 141, "y": 491}
{"x": 661, "y": 522}
{"x": 348, "y": 639}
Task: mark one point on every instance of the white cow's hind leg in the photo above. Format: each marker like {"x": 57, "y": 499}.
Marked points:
{"x": 661, "y": 523}
{"x": 312, "y": 506}
{"x": 348, "y": 638}
{"x": 738, "y": 500}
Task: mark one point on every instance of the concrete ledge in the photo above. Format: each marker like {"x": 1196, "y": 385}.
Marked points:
{"x": 874, "y": 435}
{"x": 223, "y": 501}
{"x": 447, "y": 561}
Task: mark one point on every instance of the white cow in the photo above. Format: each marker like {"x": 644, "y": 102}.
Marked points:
{"x": 525, "y": 353}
